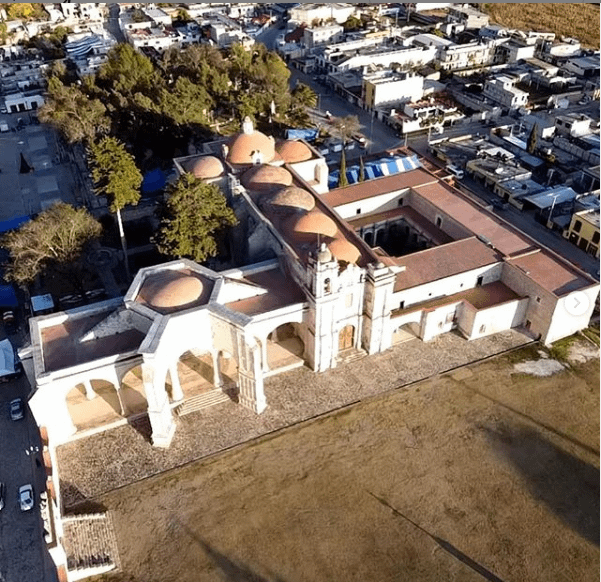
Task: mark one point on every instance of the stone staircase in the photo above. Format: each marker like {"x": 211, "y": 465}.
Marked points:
{"x": 204, "y": 400}
{"x": 90, "y": 545}
{"x": 351, "y": 355}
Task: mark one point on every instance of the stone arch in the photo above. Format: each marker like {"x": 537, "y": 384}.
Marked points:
{"x": 133, "y": 395}
{"x": 93, "y": 403}
{"x": 368, "y": 237}
{"x": 405, "y": 332}
{"x": 228, "y": 369}
{"x": 283, "y": 347}
{"x": 380, "y": 236}
{"x": 195, "y": 371}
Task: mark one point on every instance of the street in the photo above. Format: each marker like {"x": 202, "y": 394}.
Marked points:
{"x": 24, "y": 556}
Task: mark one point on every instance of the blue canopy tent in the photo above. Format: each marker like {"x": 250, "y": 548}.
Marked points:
{"x": 8, "y": 297}
{"x": 153, "y": 181}
{"x": 306, "y": 134}
{"x": 12, "y": 223}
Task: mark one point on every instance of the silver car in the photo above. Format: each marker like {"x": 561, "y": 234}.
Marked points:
{"x": 26, "y": 497}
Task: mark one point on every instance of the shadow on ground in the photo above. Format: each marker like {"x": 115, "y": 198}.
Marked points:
{"x": 563, "y": 482}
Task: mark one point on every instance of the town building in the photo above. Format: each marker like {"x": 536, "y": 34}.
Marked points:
{"x": 391, "y": 88}
{"x": 583, "y": 231}
{"x": 309, "y": 13}
{"x": 322, "y": 35}
{"x": 503, "y": 91}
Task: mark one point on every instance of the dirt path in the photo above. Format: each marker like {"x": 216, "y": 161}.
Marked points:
{"x": 484, "y": 474}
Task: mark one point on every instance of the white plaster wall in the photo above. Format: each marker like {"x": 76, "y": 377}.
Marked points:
{"x": 498, "y": 318}
{"x": 382, "y": 203}
{"x": 447, "y": 286}
{"x": 563, "y": 324}
{"x": 434, "y": 322}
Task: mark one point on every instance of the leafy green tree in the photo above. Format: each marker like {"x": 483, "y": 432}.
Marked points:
{"x": 532, "y": 140}
{"x": 304, "y": 96}
{"x": 117, "y": 177}
{"x": 195, "y": 213}
{"x": 128, "y": 72}
{"x": 73, "y": 113}
{"x": 186, "y": 103}
{"x": 183, "y": 16}
{"x": 53, "y": 241}
{"x": 352, "y": 23}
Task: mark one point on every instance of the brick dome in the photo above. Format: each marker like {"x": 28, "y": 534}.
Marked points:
{"x": 249, "y": 145}
{"x": 170, "y": 289}
{"x": 293, "y": 197}
{"x": 315, "y": 222}
{"x": 294, "y": 151}
{"x": 205, "y": 168}
{"x": 344, "y": 250}
{"x": 264, "y": 178}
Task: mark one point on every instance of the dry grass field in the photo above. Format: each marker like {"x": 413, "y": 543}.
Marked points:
{"x": 579, "y": 19}
{"x": 485, "y": 473}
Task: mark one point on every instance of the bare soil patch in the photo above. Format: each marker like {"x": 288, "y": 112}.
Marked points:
{"x": 481, "y": 474}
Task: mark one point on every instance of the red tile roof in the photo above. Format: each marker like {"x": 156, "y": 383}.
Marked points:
{"x": 376, "y": 187}
{"x": 552, "y": 274}
{"x": 443, "y": 261}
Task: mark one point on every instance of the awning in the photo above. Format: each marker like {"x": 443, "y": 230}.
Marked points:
{"x": 7, "y": 358}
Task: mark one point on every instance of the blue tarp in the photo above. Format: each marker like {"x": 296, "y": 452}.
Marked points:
{"x": 12, "y": 223}
{"x": 153, "y": 181}
{"x": 7, "y": 296}
{"x": 382, "y": 167}
{"x": 306, "y": 134}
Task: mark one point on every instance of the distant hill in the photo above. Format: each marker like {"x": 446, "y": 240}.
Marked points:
{"x": 579, "y": 20}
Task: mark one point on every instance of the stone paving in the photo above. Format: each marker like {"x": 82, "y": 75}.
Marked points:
{"x": 94, "y": 465}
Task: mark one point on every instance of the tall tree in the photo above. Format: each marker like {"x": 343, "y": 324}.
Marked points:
{"x": 187, "y": 103}
{"x": 54, "y": 240}
{"x": 117, "y": 177}
{"x": 532, "y": 139}
{"x": 195, "y": 213}
{"x": 361, "y": 170}
{"x": 345, "y": 127}
{"x": 304, "y": 96}
{"x": 73, "y": 113}
{"x": 342, "y": 179}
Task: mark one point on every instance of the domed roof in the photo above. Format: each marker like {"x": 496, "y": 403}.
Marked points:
{"x": 263, "y": 178}
{"x": 344, "y": 250}
{"x": 323, "y": 254}
{"x": 315, "y": 222}
{"x": 294, "y": 151}
{"x": 205, "y": 168}
{"x": 171, "y": 289}
{"x": 244, "y": 147}
{"x": 294, "y": 197}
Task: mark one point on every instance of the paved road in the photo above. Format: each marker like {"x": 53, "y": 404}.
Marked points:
{"x": 23, "y": 553}
{"x": 522, "y": 220}
{"x": 112, "y": 23}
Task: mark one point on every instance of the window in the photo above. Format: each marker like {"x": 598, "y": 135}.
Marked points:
{"x": 327, "y": 286}
{"x": 538, "y": 299}
{"x": 482, "y": 328}
{"x": 438, "y": 221}
{"x": 400, "y": 202}
{"x": 577, "y": 226}
{"x": 479, "y": 281}
{"x": 358, "y": 211}
{"x": 595, "y": 238}
{"x": 402, "y": 305}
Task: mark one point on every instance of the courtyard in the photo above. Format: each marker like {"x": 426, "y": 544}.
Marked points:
{"x": 487, "y": 472}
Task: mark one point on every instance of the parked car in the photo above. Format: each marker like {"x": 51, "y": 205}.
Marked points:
{"x": 16, "y": 409}
{"x": 26, "y": 497}
{"x": 10, "y": 366}
{"x": 1, "y": 496}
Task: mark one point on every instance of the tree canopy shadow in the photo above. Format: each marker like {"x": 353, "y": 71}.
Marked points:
{"x": 566, "y": 484}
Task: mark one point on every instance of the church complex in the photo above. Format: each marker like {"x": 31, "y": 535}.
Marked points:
{"x": 327, "y": 273}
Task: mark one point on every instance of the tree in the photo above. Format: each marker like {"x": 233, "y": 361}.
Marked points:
{"x": 352, "y": 23}
{"x": 344, "y": 127}
{"x": 117, "y": 177}
{"x": 532, "y": 139}
{"x": 73, "y": 113}
{"x": 55, "y": 239}
{"x": 195, "y": 212}
{"x": 187, "y": 103}
{"x": 304, "y": 96}
{"x": 342, "y": 179}
{"x": 361, "y": 170}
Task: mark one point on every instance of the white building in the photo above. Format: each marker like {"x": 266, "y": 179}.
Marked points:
{"x": 466, "y": 56}
{"x": 17, "y": 102}
{"x": 322, "y": 35}
{"x": 501, "y": 89}
{"x": 308, "y": 13}
{"x": 391, "y": 88}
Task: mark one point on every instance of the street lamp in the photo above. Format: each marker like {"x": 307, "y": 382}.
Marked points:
{"x": 551, "y": 210}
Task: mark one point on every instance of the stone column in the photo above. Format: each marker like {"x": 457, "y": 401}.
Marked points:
{"x": 252, "y": 394}
{"x": 217, "y": 379}
{"x": 176, "y": 388}
{"x": 159, "y": 411}
{"x": 90, "y": 394}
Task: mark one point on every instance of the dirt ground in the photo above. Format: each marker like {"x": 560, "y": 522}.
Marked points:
{"x": 485, "y": 473}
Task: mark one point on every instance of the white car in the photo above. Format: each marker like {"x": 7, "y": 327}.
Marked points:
{"x": 26, "y": 497}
